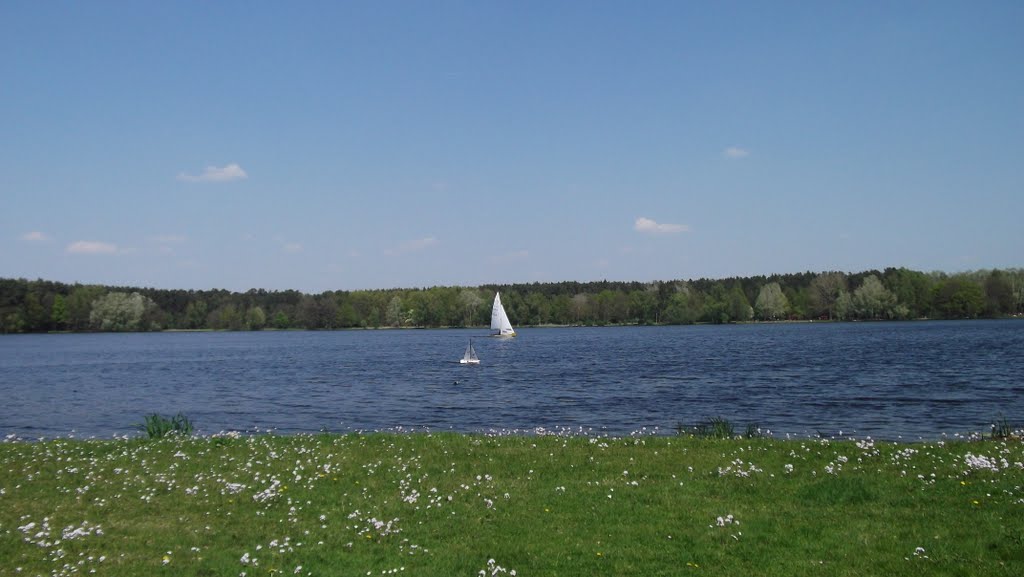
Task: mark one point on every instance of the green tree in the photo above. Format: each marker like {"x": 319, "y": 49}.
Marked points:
{"x": 958, "y": 298}
{"x": 346, "y": 316}
{"x": 644, "y": 305}
{"x": 44, "y": 305}
{"x": 12, "y": 322}
{"x": 825, "y": 290}
{"x": 470, "y": 302}
{"x": 1016, "y": 279}
{"x": 685, "y": 306}
{"x": 195, "y": 315}
{"x": 843, "y": 308}
{"x": 255, "y": 319}
{"x": 372, "y": 318}
{"x": 872, "y": 300}
{"x": 561, "y": 307}
{"x": 119, "y": 311}
{"x": 448, "y": 312}
{"x": 716, "y": 304}
{"x": 281, "y": 320}
{"x": 912, "y": 289}
{"x": 420, "y": 312}
{"x": 59, "y": 312}
{"x": 771, "y": 303}
{"x": 79, "y": 306}
{"x": 226, "y": 317}
{"x": 998, "y": 294}
{"x": 317, "y": 312}
{"x": 35, "y": 315}
{"x": 395, "y": 314}
{"x": 580, "y": 308}
{"x": 538, "y": 309}
{"x": 739, "y": 308}
{"x": 610, "y": 306}
{"x": 799, "y": 302}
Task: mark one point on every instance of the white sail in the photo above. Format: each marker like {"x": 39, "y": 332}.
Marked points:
{"x": 499, "y": 320}
{"x": 470, "y": 358}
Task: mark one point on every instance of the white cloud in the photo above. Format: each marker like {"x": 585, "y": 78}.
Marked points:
{"x": 292, "y": 247}
{"x": 643, "y": 224}
{"x": 91, "y": 247}
{"x": 35, "y": 236}
{"x": 216, "y": 174}
{"x": 412, "y": 246}
{"x": 735, "y": 152}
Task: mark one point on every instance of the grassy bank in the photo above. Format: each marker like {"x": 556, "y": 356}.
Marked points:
{"x": 447, "y": 504}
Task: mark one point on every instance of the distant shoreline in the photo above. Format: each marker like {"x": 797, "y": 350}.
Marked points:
{"x": 546, "y": 326}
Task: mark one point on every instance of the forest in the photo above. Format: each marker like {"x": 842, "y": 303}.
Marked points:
{"x": 33, "y": 306}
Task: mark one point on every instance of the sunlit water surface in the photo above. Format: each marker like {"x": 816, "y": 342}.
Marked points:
{"x": 884, "y": 380}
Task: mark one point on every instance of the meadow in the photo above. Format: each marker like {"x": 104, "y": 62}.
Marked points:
{"x": 420, "y": 503}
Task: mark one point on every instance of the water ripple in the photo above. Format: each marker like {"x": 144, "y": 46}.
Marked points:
{"x": 885, "y": 380}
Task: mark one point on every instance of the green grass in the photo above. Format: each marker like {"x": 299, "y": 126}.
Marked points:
{"x": 157, "y": 426}
{"x": 1001, "y": 428}
{"x": 446, "y": 504}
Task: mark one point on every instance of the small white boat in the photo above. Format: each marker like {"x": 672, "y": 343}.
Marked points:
{"x": 499, "y": 320}
{"x": 470, "y": 357}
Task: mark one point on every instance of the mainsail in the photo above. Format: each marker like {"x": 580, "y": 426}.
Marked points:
{"x": 470, "y": 358}
{"x": 499, "y": 320}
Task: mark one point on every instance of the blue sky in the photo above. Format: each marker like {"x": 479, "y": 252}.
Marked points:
{"x": 350, "y": 145}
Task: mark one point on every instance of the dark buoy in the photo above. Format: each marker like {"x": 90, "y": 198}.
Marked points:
{"x": 455, "y": 383}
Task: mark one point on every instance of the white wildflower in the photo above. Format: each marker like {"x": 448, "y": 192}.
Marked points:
{"x": 977, "y": 462}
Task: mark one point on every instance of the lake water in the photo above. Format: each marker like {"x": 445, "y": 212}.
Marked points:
{"x": 884, "y": 380}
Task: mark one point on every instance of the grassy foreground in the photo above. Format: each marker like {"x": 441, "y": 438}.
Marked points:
{"x": 449, "y": 504}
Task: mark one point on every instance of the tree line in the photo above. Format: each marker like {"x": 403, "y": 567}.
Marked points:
{"x": 892, "y": 294}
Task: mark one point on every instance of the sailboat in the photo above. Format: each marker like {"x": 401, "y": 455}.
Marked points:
{"x": 499, "y": 320}
{"x": 470, "y": 357}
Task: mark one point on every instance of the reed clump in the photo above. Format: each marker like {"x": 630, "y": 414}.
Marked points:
{"x": 719, "y": 428}
{"x": 157, "y": 426}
